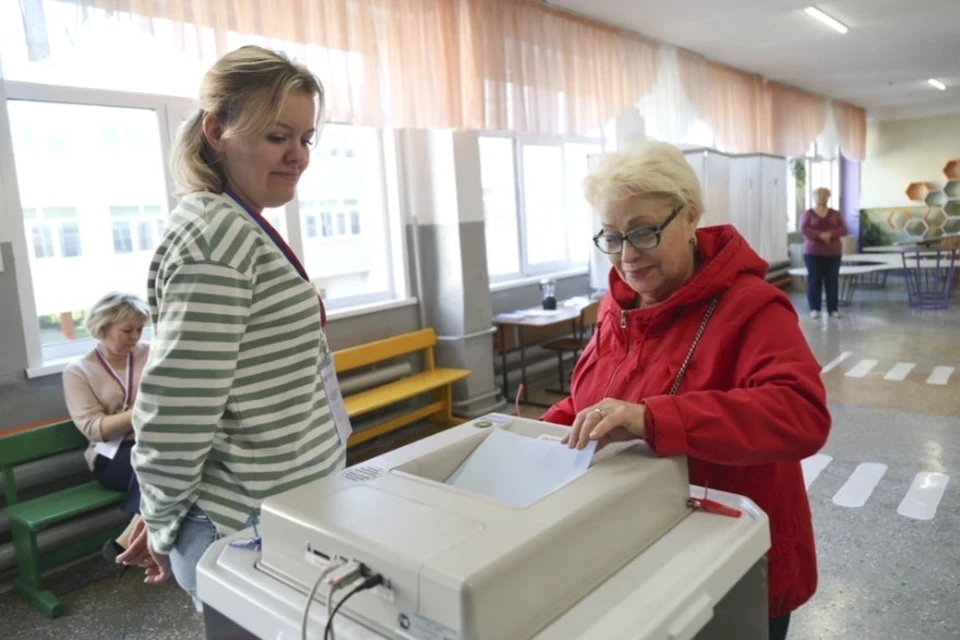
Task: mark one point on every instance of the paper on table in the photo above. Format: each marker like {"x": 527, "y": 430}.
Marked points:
{"x": 519, "y": 470}
{"x": 108, "y": 448}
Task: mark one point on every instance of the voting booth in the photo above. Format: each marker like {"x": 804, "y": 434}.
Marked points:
{"x": 493, "y": 530}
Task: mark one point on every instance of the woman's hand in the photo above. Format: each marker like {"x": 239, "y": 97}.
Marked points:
{"x": 825, "y": 236}
{"x": 156, "y": 566}
{"x": 607, "y": 421}
{"x": 138, "y": 550}
{"x": 159, "y": 570}
{"x": 117, "y": 425}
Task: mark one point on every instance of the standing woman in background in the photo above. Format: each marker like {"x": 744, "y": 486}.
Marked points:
{"x": 822, "y": 229}
{"x": 238, "y": 401}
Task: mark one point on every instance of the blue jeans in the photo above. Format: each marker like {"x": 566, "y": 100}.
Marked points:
{"x": 823, "y": 272}
{"x": 194, "y": 537}
{"x": 117, "y": 474}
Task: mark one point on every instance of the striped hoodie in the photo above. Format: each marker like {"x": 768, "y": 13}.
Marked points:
{"x": 231, "y": 407}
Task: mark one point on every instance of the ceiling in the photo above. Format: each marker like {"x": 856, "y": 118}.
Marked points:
{"x": 882, "y": 63}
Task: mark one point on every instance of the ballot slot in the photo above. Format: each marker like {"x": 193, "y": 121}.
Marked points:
{"x": 439, "y": 464}
{"x": 514, "y": 464}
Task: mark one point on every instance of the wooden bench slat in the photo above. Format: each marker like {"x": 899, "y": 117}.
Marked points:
{"x": 380, "y": 350}
{"x": 403, "y": 389}
{"x": 41, "y": 513}
{"x": 393, "y": 424}
{"x": 40, "y": 442}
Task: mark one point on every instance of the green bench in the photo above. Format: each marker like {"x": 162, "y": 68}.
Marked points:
{"x": 29, "y": 517}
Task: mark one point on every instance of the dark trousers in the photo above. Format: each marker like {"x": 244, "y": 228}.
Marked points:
{"x": 117, "y": 474}
{"x": 823, "y": 272}
{"x": 778, "y": 627}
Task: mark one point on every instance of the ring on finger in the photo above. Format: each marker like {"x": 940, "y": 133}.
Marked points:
{"x": 599, "y": 410}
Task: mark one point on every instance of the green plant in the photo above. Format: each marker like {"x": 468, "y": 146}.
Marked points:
{"x": 798, "y": 167}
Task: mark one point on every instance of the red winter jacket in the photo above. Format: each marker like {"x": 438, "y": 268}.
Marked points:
{"x": 751, "y": 405}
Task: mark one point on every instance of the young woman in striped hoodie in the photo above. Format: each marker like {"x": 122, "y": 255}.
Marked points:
{"x": 232, "y": 407}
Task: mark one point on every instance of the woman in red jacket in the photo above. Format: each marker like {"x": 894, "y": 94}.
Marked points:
{"x": 695, "y": 353}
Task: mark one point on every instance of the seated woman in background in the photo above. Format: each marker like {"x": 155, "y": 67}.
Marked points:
{"x": 695, "y": 353}
{"x": 99, "y": 390}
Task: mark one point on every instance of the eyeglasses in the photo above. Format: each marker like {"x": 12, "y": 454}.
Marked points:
{"x": 642, "y": 239}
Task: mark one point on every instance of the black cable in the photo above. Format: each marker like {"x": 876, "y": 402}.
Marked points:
{"x": 369, "y": 583}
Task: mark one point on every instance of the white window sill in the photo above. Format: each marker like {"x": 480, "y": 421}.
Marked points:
{"x": 51, "y": 368}
{"x": 367, "y": 309}
{"x": 56, "y": 367}
{"x": 503, "y": 285}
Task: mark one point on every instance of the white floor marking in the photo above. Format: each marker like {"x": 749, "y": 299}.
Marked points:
{"x": 924, "y": 495}
{"x": 857, "y": 489}
{"x": 830, "y": 366}
{"x": 900, "y": 371}
{"x": 812, "y": 467}
{"x": 862, "y": 368}
{"x": 940, "y": 375}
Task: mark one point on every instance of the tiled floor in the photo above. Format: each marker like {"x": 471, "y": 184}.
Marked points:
{"x": 884, "y": 573}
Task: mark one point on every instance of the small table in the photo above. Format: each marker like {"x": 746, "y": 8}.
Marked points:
{"x": 566, "y": 311}
{"x": 882, "y": 263}
{"x": 847, "y": 280}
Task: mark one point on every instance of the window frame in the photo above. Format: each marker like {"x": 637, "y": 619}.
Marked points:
{"x": 170, "y": 112}
{"x": 557, "y": 268}
{"x": 38, "y": 354}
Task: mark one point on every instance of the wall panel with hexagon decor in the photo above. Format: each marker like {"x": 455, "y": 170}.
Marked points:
{"x": 937, "y": 212}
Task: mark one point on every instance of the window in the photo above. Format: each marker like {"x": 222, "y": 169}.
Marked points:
{"x": 536, "y": 219}
{"x": 49, "y": 223}
{"x": 541, "y": 171}
{"x": 343, "y": 216}
{"x": 81, "y": 243}
{"x": 42, "y": 242}
{"x": 498, "y": 178}
{"x": 819, "y": 171}
{"x": 136, "y": 228}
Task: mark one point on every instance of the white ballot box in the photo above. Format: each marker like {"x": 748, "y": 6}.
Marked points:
{"x": 492, "y": 530}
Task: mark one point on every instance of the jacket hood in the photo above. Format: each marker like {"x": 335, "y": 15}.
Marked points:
{"x": 724, "y": 257}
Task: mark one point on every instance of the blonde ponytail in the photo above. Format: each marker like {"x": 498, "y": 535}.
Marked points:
{"x": 193, "y": 162}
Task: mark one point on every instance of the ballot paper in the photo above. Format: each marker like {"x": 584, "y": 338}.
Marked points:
{"x": 518, "y": 470}
{"x": 109, "y": 448}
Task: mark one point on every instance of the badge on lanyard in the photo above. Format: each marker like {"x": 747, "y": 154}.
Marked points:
{"x": 108, "y": 449}
{"x": 328, "y": 376}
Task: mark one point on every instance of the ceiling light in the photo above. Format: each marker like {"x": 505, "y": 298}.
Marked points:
{"x": 827, "y": 20}
{"x": 936, "y": 83}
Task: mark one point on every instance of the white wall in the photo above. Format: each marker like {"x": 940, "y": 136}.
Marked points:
{"x": 903, "y": 151}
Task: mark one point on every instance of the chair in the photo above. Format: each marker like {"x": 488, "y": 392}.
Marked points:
{"x": 583, "y": 330}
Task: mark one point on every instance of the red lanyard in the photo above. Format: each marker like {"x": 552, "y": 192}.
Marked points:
{"x": 128, "y": 387}
{"x": 282, "y": 245}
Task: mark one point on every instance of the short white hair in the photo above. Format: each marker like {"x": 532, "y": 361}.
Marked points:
{"x": 653, "y": 168}
{"x": 112, "y": 308}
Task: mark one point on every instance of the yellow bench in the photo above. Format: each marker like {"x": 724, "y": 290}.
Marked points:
{"x": 438, "y": 383}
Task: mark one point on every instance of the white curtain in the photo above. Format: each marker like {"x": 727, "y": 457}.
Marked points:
{"x": 668, "y": 111}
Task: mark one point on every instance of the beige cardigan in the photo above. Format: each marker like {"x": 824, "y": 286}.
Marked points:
{"x": 92, "y": 393}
